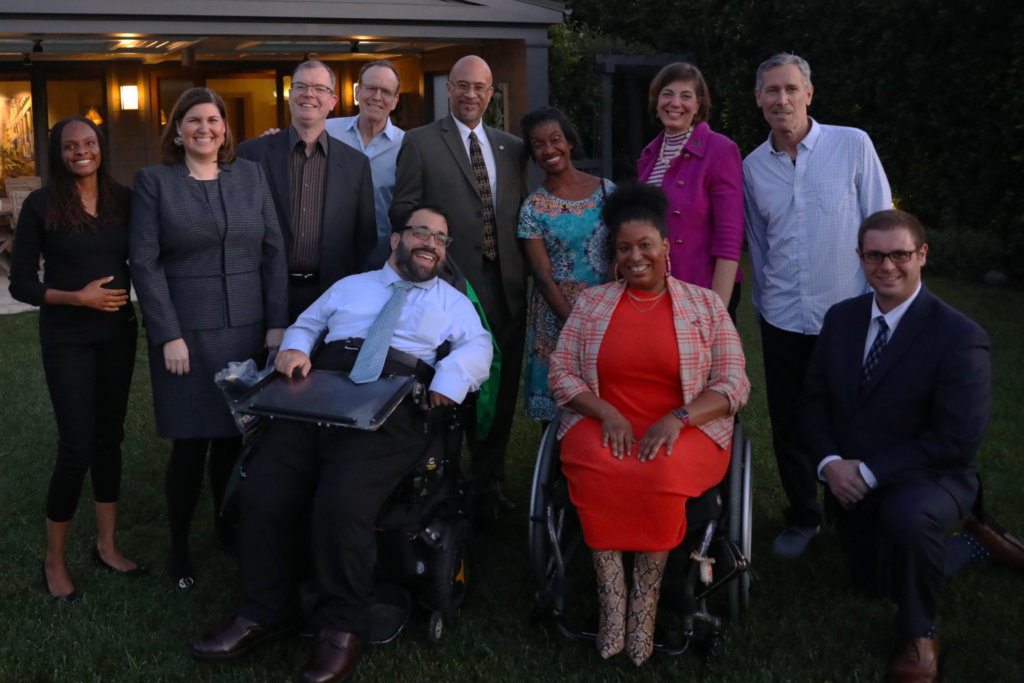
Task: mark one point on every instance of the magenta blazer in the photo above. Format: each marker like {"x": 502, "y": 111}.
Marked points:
{"x": 704, "y": 185}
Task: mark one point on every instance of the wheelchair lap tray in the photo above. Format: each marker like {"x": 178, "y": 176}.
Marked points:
{"x": 328, "y": 398}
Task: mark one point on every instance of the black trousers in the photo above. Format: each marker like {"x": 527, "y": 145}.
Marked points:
{"x": 488, "y": 451}
{"x": 786, "y": 357}
{"x": 341, "y": 478}
{"x": 896, "y": 541}
{"x": 301, "y": 295}
{"x": 89, "y": 385}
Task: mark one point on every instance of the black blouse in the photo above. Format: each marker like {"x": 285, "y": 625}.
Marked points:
{"x": 72, "y": 260}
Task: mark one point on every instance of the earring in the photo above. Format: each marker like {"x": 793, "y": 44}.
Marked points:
{"x": 178, "y": 141}
{"x": 618, "y": 276}
{"x": 668, "y": 266}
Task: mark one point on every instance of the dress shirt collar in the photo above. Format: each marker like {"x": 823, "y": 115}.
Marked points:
{"x": 893, "y": 317}
{"x": 294, "y": 139}
{"x": 389, "y": 275}
{"x": 389, "y": 128}
{"x": 809, "y": 141}
{"x": 465, "y": 130}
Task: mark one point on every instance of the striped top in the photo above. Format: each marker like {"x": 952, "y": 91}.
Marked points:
{"x": 307, "y": 176}
{"x": 671, "y": 147}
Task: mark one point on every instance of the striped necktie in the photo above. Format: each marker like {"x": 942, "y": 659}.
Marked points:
{"x": 875, "y": 351}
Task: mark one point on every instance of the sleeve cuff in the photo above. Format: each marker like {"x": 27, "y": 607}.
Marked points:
{"x": 824, "y": 461}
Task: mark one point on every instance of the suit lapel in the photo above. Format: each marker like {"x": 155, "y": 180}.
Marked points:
{"x": 903, "y": 339}
{"x": 853, "y": 338}
{"x": 504, "y": 165}
{"x": 277, "y": 177}
{"x": 452, "y": 139}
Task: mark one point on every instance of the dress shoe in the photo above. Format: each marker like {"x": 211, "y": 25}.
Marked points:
{"x": 793, "y": 540}
{"x": 70, "y": 597}
{"x": 241, "y": 636}
{"x": 1004, "y": 548}
{"x": 915, "y": 661}
{"x": 333, "y": 658}
{"x": 133, "y": 573}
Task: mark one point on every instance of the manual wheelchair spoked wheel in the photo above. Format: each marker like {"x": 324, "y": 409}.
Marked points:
{"x": 448, "y": 579}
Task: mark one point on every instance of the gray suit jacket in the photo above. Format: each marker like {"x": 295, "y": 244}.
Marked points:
{"x": 187, "y": 273}
{"x": 434, "y": 167}
{"x": 349, "y": 225}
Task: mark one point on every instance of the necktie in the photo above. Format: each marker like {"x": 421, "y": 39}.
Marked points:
{"x": 875, "y": 351}
{"x": 483, "y": 186}
{"x": 370, "y": 360}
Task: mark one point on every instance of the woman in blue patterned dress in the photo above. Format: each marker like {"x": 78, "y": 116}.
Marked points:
{"x": 565, "y": 241}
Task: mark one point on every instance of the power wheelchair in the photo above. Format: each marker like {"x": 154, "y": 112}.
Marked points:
{"x": 713, "y": 558}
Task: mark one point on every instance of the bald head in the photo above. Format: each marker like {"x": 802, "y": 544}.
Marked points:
{"x": 469, "y": 89}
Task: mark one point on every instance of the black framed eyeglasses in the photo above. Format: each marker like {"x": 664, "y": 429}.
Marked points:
{"x": 898, "y": 256}
{"x": 303, "y": 88}
{"x": 423, "y": 234}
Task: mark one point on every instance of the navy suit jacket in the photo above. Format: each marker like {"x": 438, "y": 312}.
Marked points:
{"x": 433, "y": 166}
{"x": 925, "y": 409}
{"x": 348, "y": 232}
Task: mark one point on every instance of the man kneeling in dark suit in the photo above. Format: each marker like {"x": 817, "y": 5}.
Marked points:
{"x": 345, "y": 475}
{"x": 896, "y": 404}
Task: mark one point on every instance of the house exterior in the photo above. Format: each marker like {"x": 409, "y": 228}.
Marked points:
{"x": 125, "y": 62}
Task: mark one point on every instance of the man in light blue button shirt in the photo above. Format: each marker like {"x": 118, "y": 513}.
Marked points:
{"x": 373, "y": 134}
{"x": 807, "y": 188}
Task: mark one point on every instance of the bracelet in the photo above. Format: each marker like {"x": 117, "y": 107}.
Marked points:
{"x": 683, "y": 414}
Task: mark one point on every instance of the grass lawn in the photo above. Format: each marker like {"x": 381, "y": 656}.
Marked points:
{"x": 803, "y": 625}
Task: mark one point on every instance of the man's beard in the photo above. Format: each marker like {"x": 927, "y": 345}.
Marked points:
{"x": 413, "y": 270}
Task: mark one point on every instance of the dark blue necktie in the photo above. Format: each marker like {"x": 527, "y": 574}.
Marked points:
{"x": 373, "y": 353}
{"x": 875, "y": 351}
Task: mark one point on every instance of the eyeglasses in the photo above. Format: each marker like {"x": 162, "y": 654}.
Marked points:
{"x": 423, "y": 234}
{"x": 463, "y": 87}
{"x": 371, "y": 90}
{"x": 303, "y": 88}
{"x": 898, "y": 256}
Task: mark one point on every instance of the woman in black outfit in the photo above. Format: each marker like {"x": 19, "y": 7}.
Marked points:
{"x": 207, "y": 261}
{"x": 87, "y": 329}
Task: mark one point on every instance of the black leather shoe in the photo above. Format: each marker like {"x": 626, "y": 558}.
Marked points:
{"x": 333, "y": 658}
{"x": 133, "y": 573}
{"x": 241, "y": 636}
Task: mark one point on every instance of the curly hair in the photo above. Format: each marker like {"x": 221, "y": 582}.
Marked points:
{"x": 64, "y": 208}
{"x": 542, "y": 115}
{"x": 171, "y": 153}
{"x": 634, "y": 202}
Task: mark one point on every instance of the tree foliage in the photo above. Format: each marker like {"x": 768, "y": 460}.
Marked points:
{"x": 939, "y": 86}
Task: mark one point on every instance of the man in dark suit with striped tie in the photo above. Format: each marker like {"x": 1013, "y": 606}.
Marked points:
{"x": 896, "y": 404}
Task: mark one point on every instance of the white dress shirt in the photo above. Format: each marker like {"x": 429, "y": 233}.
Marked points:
{"x": 434, "y": 312}
{"x": 485, "y": 150}
{"x": 892, "y": 319}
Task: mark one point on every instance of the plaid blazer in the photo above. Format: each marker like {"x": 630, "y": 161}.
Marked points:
{"x": 710, "y": 353}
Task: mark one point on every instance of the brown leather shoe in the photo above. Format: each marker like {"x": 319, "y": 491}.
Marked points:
{"x": 333, "y": 658}
{"x": 1004, "y": 548}
{"x": 241, "y": 636}
{"x": 915, "y": 661}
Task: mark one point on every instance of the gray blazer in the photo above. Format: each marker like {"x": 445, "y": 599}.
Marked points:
{"x": 187, "y": 274}
{"x": 433, "y": 166}
{"x": 349, "y": 224}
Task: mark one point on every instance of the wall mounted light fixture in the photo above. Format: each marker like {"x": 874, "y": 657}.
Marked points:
{"x": 129, "y": 98}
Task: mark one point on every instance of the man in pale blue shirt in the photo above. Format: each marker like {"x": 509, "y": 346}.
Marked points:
{"x": 373, "y": 134}
{"x": 807, "y": 188}
{"x": 345, "y": 475}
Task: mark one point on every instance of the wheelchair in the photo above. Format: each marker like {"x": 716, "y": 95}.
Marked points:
{"x": 714, "y": 557}
{"x": 423, "y": 529}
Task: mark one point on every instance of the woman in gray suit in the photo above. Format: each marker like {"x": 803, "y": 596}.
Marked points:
{"x": 208, "y": 264}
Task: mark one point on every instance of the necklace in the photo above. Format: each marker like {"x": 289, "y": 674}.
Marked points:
{"x": 653, "y": 301}
{"x": 672, "y": 145}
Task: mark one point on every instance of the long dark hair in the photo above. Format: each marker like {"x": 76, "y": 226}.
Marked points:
{"x": 64, "y": 208}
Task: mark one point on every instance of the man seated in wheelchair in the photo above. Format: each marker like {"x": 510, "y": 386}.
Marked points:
{"x": 650, "y": 372}
{"x": 348, "y": 473}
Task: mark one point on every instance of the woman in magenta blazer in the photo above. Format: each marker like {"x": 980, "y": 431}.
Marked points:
{"x": 701, "y": 173}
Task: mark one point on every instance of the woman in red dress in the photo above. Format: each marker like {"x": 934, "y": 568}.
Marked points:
{"x": 649, "y": 372}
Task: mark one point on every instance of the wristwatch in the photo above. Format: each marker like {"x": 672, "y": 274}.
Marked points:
{"x": 683, "y": 414}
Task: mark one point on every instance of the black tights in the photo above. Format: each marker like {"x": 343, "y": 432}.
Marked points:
{"x": 185, "y": 481}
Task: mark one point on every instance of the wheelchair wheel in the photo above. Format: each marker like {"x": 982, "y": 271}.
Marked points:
{"x": 448, "y": 576}
{"x": 545, "y": 471}
{"x": 741, "y": 513}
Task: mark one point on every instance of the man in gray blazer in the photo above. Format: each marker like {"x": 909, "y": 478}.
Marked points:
{"x": 476, "y": 174}
{"x": 322, "y": 189}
